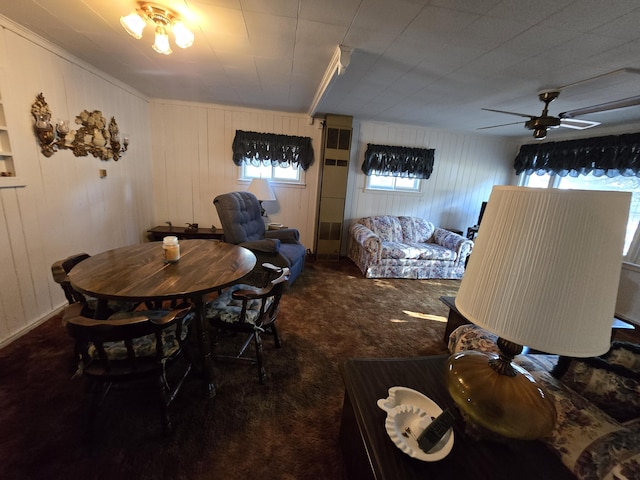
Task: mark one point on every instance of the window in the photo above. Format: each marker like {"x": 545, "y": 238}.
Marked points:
{"x": 398, "y": 169}
{"x": 281, "y": 158}
{"x": 398, "y": 184}
{"x": 288, "y": 174}
{"x": 589, "y": 182}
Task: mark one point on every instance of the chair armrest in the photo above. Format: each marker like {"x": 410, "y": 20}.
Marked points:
{"x": 365, "y": 238}
{"x": 258, "y": 293}
{"x": 268, "y": 245}
{"x": 451, "y": 240}
{"x": 286, "y": 235}
{"x": 72, "y": 311}
{"x": 131, "y": 319}
{"x": 90, "y": 322}
{"x": 172, "y": 315}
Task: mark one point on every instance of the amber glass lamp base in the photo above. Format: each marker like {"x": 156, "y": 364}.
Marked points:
{"x": 499, "y": 395}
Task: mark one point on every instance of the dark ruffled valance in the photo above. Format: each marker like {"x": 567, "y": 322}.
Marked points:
{"x": 272, "y": 149}
{"x": 398, "y": 161}
{"x": 613, "y": 155}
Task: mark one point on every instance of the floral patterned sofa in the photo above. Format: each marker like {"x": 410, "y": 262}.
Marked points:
{"x": 597, "y": 400}
{"x": 388, "y": 246}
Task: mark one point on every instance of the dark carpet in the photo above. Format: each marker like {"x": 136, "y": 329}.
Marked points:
{"x": 287, "y": 429}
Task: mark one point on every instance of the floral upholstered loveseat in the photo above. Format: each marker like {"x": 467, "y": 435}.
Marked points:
{"x": 388, "y": 246}
{"x": 597, "y": 400}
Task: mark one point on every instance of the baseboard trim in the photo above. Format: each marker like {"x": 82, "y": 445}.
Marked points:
{"x": 31, "y": 326}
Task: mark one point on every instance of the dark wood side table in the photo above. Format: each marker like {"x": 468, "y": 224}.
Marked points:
{"x": 455, "y": 318}
{"x": 369, "y": 453}
{"x": 159, "y": 232}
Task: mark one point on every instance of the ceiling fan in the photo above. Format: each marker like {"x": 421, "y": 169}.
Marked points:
{"x": 540, "y": 124}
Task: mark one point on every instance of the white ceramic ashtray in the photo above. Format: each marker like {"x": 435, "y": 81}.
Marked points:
{"x": 408, "y": 414}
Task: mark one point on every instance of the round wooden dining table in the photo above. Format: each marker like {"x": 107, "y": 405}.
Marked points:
{"x": 139, "y": 273}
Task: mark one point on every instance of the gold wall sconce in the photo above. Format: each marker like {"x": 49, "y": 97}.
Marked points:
{"x": 163, "y": 20}
{"x": 94, "y": 136}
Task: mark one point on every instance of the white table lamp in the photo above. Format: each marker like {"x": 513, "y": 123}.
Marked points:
{"x": 543, "y": 273}
{"x": 261, "y": 188}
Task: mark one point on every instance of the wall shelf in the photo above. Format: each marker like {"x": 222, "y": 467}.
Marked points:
{"x": 12, "y": 182}
{"x": 9, "y": 178}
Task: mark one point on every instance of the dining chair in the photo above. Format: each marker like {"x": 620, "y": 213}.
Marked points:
{"x": 90, "y": 306}
{"x": 132, "y": 347}
{"x": 243, "y": 308}
{"x": 60, "y": 272}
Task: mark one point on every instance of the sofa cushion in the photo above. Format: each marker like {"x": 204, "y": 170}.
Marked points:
{"x": 615, "y": 456}
{"x": 416, "y": 251}
{"x": 472, "y": 337}
{"x": 591, "y": 443}
{"x": 416, "y": 230}
{"x": 387, "y": 227}
{"x": 613, "y": 388}
{"x": 624, "y": 354}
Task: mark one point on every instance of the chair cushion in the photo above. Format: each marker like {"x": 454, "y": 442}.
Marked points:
{"x": 228, "y": 309}
{"x": 144, "y": 346}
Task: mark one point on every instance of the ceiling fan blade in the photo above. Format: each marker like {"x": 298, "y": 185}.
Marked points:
{"x": 509, "y": 113}
{"x": 501, "y": 125}
{"x": 577, "y": 124}
{"x": 602, "y": 107}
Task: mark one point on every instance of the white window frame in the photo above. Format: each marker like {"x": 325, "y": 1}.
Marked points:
{"x": 394, "y": 187}
{"x": 269, "y": 171}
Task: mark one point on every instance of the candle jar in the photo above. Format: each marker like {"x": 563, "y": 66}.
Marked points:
{"x": 171, "y": 249}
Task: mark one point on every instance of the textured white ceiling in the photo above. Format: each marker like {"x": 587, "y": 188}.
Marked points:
{"x": 432, "y": 63}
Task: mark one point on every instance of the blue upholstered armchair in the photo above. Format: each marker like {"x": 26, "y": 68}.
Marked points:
{"x": 243, "y": 225}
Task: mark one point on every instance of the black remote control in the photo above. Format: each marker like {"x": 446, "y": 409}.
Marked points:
{"x": 436, "y": 430}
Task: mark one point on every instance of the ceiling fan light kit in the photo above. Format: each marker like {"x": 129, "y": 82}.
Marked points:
{"x": 540, "y": 124}
{"x": 163, "y": 20}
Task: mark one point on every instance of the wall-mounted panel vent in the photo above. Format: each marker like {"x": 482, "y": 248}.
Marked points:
{"x": 330, "y": 230}
{"x": 336, "y": 153}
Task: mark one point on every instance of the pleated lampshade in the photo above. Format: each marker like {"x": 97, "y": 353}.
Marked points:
{"x": 545, "y": 268}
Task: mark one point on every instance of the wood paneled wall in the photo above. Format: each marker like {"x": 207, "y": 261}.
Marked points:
{"x": 178, "y": 161}
{"x": 65, "y": 207}
{"x": 192, "y": 163}
{"x": 466, "y": 167}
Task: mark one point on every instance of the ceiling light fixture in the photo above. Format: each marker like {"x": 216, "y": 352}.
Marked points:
{"x": 164, "y": 20}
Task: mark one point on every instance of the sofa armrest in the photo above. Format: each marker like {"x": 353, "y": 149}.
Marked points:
{"x": 285, "y": 235}
{"x": 451, "y": 240}
{"x": 365, "y": 238}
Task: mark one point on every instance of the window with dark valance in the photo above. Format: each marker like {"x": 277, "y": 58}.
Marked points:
{"x": 613, "y": 155}
{"x": 272, "y": 149}
{"x": 392, "y": 161}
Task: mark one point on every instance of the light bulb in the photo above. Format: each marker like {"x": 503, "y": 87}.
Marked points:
{"x": 161, "y": 44}
{"x": 184, "y": 37}
{"x": 134, "y": 24}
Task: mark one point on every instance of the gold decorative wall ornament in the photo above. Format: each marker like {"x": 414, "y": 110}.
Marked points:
{"x": 94, "y": 135}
